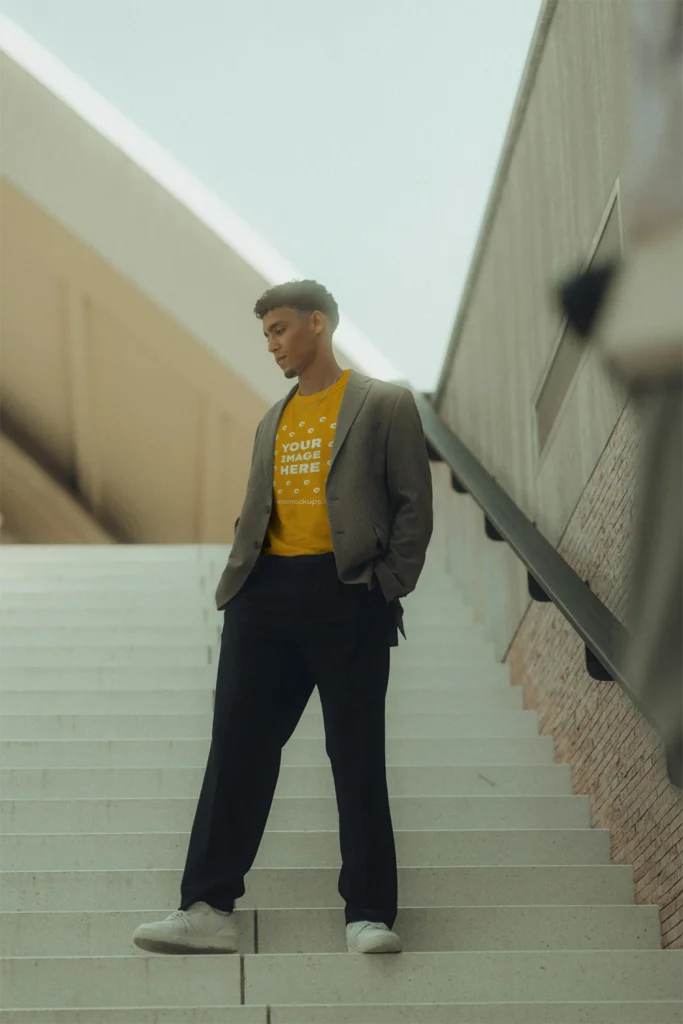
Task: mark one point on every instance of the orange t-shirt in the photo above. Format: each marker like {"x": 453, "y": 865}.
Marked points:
{"x": 299, "y": 524}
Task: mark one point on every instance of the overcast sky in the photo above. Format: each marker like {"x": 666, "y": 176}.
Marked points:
{"x": 359, "y": 137}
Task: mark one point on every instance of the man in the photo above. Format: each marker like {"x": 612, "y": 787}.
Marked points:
{"x": 333, "y": 531}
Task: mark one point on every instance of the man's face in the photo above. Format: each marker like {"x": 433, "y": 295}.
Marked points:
{"x": 293, "y": 338}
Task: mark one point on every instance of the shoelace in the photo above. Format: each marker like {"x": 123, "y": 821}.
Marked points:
{"x": 176, "y": 915}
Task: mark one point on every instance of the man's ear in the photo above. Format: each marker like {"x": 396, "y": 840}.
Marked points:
{"x": 317, "y": 322}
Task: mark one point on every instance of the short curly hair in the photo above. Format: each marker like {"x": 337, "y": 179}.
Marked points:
{"x": 304, "y": 296}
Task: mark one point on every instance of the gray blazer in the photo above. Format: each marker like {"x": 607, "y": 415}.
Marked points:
{"x": 379, "y": 492}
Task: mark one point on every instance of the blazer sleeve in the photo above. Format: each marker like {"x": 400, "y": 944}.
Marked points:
{"x": 409, "y": 483}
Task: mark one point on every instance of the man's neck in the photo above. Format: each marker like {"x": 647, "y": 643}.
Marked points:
{"x": 318, "y": 377}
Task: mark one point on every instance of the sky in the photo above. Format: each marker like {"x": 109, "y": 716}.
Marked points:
{"x": 359, "y": 137}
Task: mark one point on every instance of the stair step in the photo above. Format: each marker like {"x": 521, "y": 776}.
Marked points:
{"x": 176, "y": 576}
{"x": 182, "y": 616}
{"x": 76, "y": 753}
{"x": 433, "y": 699}
{"x": 450, "y": 929}
{"x": 413, "y": 654}
{"x": 456, "y": 672}
{"x": 315, "y": 781}
{"x": 84, "y": 599}
{"x": 435, "y": 605}
{"x": 465, "y": 977}
{"x": 300, "y": 814}
{"x": 142, "y": 1015}
{"x": 423, "y": 848}
{"x": 441, "y": 666}
{"x": 127, "y": 585}
{"x": 45, "y": 555}
{"x": 100, "y": 657}
{"x": 317, "y": 887}
{"x": 106, "y": 637}
{"x": 453, "y": 612}
{"x": 469, "y": 1013}
{"x": 440, "y": 617}
{"x": 449, "y": 645}
{"x": 184, "y": 612}
{"x": 423, "y": 929}
{"x": 204, "y": 677}
{"x": 120, "y": 981}
{"x": 94, "y": 932}
{"x": 447, "y": 725}
{"x": 425, "y": 1013}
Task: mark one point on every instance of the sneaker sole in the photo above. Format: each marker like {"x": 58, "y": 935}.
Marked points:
{"x": 383, "y": 946}
{"x": 178, "y": 949}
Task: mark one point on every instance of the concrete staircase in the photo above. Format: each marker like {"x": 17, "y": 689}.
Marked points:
{"x": 513, "y": 913}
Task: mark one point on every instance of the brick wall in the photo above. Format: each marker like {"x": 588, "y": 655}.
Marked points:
{"x": 616, "y": 758}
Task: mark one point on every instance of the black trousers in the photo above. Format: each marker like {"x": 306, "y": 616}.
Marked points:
{"x": 294, "y": 627}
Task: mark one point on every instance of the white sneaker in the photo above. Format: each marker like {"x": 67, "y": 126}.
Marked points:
{"x": 369, "y": 937}
{"x": 199, "y": 929}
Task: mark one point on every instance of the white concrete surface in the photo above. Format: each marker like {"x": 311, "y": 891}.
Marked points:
{"x": 474, "y": 699}
{"x": 102, "y": 657}
{"x": 511, "y": 909}
{"x": 417, "y": 848}
{"x": 142, "y": 1015}
{"x": 473, "y": 977}
{"x": 188, "y": 616}
{"x": 441, "y": 929}
{"x": 298, "y": 813}
{"x": 564, "y": 1012}
{"x": 143, "y": 636}
{"x": 74, "y": 555}
{"x": 75, "y": 753}
{"x": 317, "y": 887}
{"x": 34, "y": 677}
{"x": 295, "y": 781}
{"x": 118, "y": 980}
{"x": 420, "y": 725}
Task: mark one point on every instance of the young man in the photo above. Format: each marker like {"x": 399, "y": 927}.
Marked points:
{"x": 333, "y": 531}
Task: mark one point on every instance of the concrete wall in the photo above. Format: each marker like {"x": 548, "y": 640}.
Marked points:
{"x": 559, "y": 182}
{"x": 555, "y": 203}
{"x": 133, "y": 366}
{"x": 35, "y": 506}
{"x": 131, "y": 414}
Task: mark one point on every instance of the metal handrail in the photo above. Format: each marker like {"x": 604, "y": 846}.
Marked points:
{"x": 603, "y": 635}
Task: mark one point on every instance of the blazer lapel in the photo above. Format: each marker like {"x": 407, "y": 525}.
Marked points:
{"x": 270, "y": 425}
{"x": 355, "y": 393}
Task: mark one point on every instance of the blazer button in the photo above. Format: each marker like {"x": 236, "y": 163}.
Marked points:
{"x": 257, "y": 545}
{"x": 339, "y": 531}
